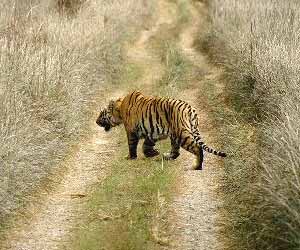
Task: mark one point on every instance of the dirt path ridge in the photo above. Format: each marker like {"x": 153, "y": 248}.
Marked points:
{"x": 197, "y": 206}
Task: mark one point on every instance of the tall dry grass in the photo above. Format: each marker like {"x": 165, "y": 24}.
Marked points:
{"x": 257, "y": 42}
{"x": 54, "y": 59}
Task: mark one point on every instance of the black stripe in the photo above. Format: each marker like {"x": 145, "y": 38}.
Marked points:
{"x": 160, "y": 121}
{"x": 157, "y": 114}
{"x": 166, "y": 114}
{"x": 161, "y": 104}
{"x": 151, "y": 121}
{"x": 130, "y": 97}
{"x": 172, "y": 109}
{"x": 163, "y": 129}
{"x": 181, "y": 104}
{"x": 180, "y": 137}
{"x": 157, "y": 129}
{"x": 186, "y": 125}
{"x": 176, "y": 112}
{"x": 177, "y": 104}
{"x": 143, "y": 124}
{"x": 139, "y": 105}
{"x": 129, "y": 104}
{"x": 194, "y": 117}
{"x": 184, "y": 141}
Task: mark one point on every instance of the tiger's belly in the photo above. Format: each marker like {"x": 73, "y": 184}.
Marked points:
{"x": 158, "y": 133}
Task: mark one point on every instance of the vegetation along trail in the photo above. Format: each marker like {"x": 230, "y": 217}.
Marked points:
{"x": 193, "y": 212}
{"x": 59, "y": 211}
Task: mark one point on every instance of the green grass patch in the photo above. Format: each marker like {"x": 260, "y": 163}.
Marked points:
{"x": 127, "y": 209}
{"x": 183, "y": 11}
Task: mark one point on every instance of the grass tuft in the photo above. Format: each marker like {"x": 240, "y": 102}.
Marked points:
{"x": 175, "y": 64}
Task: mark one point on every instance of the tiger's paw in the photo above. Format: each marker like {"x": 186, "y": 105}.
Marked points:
{"x": 151, "y": 153}
{"x": 197, "y": 165}
{"x": 170, "y": 156}
{"x": 128, "y": 157}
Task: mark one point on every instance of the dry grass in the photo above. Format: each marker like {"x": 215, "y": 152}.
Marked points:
{"x": 52, "y": 65}
{"x": 258, "y": 44}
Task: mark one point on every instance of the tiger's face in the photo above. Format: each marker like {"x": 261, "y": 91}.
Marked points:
{"x": 111, "y": 116}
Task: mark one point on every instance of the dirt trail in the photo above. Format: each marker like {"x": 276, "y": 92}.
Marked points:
{"x": 196, "y": 207}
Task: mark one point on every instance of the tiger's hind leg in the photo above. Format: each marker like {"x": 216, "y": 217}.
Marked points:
{"x": 189, "y": 144}
{"x": 148, "y": 148}
{"x": 174, "y": 150}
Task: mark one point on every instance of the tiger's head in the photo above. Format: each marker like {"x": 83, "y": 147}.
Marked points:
{"x": 111, "y": 115}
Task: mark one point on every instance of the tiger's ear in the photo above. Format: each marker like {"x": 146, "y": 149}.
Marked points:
{"x": 118, "y": 104}
{"x": 111, "y": 103}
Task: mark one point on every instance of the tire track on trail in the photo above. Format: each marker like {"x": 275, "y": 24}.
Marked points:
{"x": 140, "y": 54}
{"x": 195, "y": 210}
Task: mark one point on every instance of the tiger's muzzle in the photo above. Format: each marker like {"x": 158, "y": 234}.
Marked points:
{"x": 107, "y": 126}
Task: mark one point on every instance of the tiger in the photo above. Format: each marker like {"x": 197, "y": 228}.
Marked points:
{"x": 156, "y": 118}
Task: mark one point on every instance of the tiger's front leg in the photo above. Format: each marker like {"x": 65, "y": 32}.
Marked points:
{"x": 148, "y": 148}
{"x": 133, "y": 141}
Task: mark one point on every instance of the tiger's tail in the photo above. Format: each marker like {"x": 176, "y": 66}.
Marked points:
{"x": 205, "y": 147}
{"x": 212, "y": 151}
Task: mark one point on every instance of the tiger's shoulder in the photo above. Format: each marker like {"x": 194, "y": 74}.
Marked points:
{"x": 131, "y": 98}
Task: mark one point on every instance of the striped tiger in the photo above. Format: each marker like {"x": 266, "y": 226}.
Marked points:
{"x": 154, "y": 119}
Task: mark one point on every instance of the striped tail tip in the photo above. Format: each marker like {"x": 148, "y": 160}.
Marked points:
{"x": 222, "y": 154}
